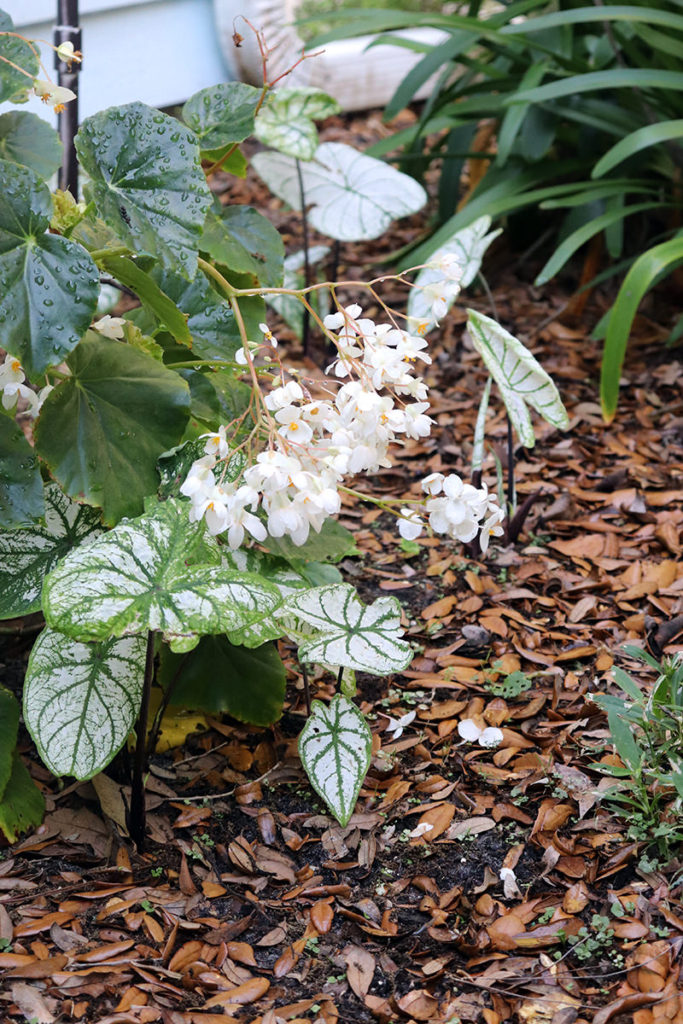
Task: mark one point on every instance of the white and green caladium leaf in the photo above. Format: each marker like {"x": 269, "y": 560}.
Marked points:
{"x": 156, "y": 572}
{"x": 222, "y": 114}
{"x": 27, "y": 556}
{"x": 146, "y": 182}
{"x": 286, "y": 121}
{"x": 21, "y": 488}
{"x": 347, "y": 632}
{"x": 353, "y": 197}
{"x": 335, "y": 747}
{"x": 49, "y": 285}
{"x": 522, "y": 380}
{"x": 103, "y": 428}
{"x": 468, "y": 245}
{"x": 81, "y": 700}
{"x": 26, "y": 139}
{"x": 278, "y": 572}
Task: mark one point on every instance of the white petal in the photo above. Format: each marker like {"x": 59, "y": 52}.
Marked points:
{"x": 469, "y": 730}
{"x": 491, "y": 737}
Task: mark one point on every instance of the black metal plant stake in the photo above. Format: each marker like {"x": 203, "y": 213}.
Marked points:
{"x": 67, "y": 31}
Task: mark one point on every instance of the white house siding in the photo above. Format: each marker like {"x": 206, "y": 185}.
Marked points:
{"x": 159, "y": 52}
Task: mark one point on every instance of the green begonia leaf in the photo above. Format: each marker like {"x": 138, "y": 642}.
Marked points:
{"x": 9, "y": 726}
{"x": 13, "y": 82}
{"x": 21, "y": 489}
{"x": 26, "y": 556}
{"x": 352, "y": 196}
{"x": 520, "y": 377}
{"x": 335, "y": 747}
{"x": 204, "y": 405}
{"x": 165, "y": 311}
{"x": 210, "y": 319}
{"x": 468, "y": 246}
{"x": 242, "y": 239}
{"x": 49, "y": 285}
{"x": 81, "y": 700}
{"x": 146, "y": 181}
{"x": 222, "y": 114}
{"x": 141, "y": 576}
{"x": 22, "y": 805}
{"x": 102, "y": 430}
{"x": 26, "y": 139}
{"x": 219, "y": 677}
{"x": 346, "y": 632}
{"x": 285, "y": 122}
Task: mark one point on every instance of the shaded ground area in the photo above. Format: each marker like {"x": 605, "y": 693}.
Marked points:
{"x": 251, "y": 902}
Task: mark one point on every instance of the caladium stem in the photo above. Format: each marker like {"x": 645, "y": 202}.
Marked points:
{"x": 136, "y": 817}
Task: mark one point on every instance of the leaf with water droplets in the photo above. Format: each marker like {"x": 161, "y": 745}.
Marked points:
{"x": 26, "y": 139}
{"x": 26, "y": 556}
{"x": 102, "y": 429}
{"x": 335, "y": 747}
{"x": 21, "y": 489}
{"x": 49, "y": 285}
{"x": 19, "y": 53}
{"x": 146, "y": 181}
{"x": 155, "y": 572}
{"x": 222, "y": 115}
{"x": 82, "y": 699}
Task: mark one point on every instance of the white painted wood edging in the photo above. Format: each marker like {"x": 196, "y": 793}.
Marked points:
{"x": 355, "y": 78}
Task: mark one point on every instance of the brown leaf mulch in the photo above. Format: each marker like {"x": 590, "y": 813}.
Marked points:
{"x": 252, "y": 903}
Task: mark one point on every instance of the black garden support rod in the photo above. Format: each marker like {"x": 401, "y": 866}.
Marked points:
{"x": 67, "y": 31}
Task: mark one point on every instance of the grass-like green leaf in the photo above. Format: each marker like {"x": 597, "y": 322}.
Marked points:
{"x": 642, "y": 138}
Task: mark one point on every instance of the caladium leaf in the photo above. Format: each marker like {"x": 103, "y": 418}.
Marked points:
{"x": 27, "y": 556}
{"x": 348, "y": 633}
{"x": 49, "y": 285}
{"x": 146, "y": 181}
{"x": 102, "y": 429}
{"x": 81, "y": 700}
{"x": 156, "y": 572}
{"x": 522, "y": 380}
{"x": 468, "y": 246}
{"x": 286, "y": 121}
{"x": 222, "y": 114}
{"x": 21, "y": 489}
{"x": 9, "y": 726}
{"x": 335, "y": 747}
{"x": 22, "y": 805}
{"x": 26, "y": 139}
{"x": 352, "y": 196}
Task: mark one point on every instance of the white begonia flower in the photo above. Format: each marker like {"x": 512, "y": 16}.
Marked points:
{"x": 110, "y": 327}
{"x": 216, "y": 445}
{"x": 397, "y": 725}
{"x": 469, "y": 730}
{"x": 433, "y": 484}
{"x": 335, "y": 321}
{"x": 66, "y": 53}
{"x": 417, "y": 424}
{"x": 11, "y": 372}
{"x": 510, "y": 887}
{"x": 200, "y": 481}
{"x": 292, "y": 426}
{"x": 268, "y": 335}
{"x": 284, "y": 395}
{"x": 13, "y": 391}
{"x": 410, "y": 525}
{"x": 57, "y": 95}
{"x": 421, "y": 830}
{"x": 492, "y": 528}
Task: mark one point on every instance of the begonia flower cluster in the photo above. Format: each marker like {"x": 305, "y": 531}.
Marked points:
{"x": 13, "y": 387}
{"x": 315, "y": 444}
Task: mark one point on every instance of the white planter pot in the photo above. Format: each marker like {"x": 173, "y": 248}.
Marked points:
{"x": 356, "y": 79}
